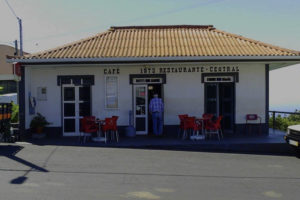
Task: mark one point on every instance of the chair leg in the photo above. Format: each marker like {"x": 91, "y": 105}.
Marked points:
{"x": 207, "y": 134}
{"x": 117, "y": 136}
{"x": 183, "y": 135}
{"x": 112, "y": 135}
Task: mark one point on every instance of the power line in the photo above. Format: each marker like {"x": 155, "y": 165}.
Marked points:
{"x": 20, "y": 27}
{"x": 11, "y": 9}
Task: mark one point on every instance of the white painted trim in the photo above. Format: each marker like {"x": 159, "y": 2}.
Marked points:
{"x": 147, "y": 59}
{"x": 77, "y": 116}
{"x": 146, "y": 109}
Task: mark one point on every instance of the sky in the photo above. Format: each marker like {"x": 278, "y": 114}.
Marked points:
{"x": 51, "y": 23}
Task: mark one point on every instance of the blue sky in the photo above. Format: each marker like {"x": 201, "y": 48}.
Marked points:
{"x": 50, "y": 23}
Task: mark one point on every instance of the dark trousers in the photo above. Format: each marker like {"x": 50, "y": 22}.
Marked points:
{"x": 157, "y": 123}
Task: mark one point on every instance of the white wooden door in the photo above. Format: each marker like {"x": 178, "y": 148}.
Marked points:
{"x": 76, "y": 104}
{"x": 140, "y": 109}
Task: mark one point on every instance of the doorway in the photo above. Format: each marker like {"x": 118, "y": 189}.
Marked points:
{"x": 220, "y": 100}
{"x": 143, "y": 92}
{"x": 153, "y": 89}
{"x": 76, "y": 103}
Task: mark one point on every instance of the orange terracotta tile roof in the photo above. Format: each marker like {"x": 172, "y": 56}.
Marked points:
{"x": 163, "y": 41}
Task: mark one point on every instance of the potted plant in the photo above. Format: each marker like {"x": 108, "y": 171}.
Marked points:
{"x": 38, "y": 123}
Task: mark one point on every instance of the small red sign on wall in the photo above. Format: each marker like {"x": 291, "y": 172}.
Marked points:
{"x": 17, "y": 69}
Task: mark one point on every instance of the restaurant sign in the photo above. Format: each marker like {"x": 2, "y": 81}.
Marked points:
{"x": 211, "y": 69}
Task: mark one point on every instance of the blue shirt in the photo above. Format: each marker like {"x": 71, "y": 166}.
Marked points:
{"x": 156, "y": 105}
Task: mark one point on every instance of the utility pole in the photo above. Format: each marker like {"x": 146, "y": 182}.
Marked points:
{"x": 21, "y": 36}
{"x": 16, "y": 48}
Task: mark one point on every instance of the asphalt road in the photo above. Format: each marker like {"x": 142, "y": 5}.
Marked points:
{"x": 63, "y": 172}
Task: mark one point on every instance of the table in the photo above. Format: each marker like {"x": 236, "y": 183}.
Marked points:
{"x": 202, "y": 121}
{"x": 99, "y": 137}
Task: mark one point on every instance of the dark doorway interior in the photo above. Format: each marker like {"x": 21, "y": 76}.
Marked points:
{"x": 220, "y": 100}
{"x": 153, "y": 89}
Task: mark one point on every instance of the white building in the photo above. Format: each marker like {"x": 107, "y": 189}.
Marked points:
{"x": 195, "y": 69}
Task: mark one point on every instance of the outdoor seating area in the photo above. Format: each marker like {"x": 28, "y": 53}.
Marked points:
{"x": 105, "y": 130}
{"x": 194, "y": 128}
{"x": 199, "y": 128}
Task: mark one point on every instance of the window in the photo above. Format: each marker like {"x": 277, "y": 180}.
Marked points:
{"x": 111, "y": 92}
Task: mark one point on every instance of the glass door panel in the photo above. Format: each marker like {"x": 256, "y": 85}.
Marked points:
{"x": 227, "y": 105}
{"x": 219, "y": 100}
{"x": 211, "y": 99}
{"x": 69, "y": 109}
{"x": 69, "y": 93}
{"x": 84, "y": 101}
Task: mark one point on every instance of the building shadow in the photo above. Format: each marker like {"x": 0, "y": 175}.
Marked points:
{"x": 10, "y": 152}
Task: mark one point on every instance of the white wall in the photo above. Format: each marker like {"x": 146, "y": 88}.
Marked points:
{"x": 183, "y": 92}
{"x": 251, "y": 92}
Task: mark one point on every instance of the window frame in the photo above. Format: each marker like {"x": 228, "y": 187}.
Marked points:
{"x": 105, "y": 92}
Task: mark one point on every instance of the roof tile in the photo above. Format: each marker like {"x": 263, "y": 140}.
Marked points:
{"x": 163, "y": 41}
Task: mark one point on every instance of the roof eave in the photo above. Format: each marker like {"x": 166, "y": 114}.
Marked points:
{"x": 156, "y": 59}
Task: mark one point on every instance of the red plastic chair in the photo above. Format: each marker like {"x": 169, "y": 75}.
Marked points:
{"x": 254, "y": 118}
{"x": 110, "y": 126}
{"x": 214, "y": 128}
{"x": 189, "y": 125}
{"x": 208, "y": 119}
{"x": 115, "y": 129}
{"x": 208, "y": 115}
{"x": 181, "y": 119}
{"x": 88, "y": 126}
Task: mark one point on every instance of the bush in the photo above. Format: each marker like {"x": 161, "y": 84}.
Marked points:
{"x": 282, "y": 122}
{"x": 39, "y": 121}
{"x": 15, "y": 113}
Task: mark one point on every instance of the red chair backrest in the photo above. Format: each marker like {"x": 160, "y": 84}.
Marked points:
{"x": 115, "y": 117}
{"x": 182, "y": 117}
{"x": 214, "y": 125}
{"x": 251, "y": 117}
{"x": 208, "y": 115}
{"x": 87, "y": 123}
{"x": 189, "y": 122}
{"x": 109, "y": 122}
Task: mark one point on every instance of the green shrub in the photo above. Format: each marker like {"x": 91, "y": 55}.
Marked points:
{"x": 15, "y": 113}
{"x": 282, "y": 122}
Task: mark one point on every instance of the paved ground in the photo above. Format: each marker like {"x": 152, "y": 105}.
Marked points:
{"x": 68, "y": 172}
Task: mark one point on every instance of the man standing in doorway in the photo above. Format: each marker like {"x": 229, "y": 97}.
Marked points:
{"x": 156, "y": 109}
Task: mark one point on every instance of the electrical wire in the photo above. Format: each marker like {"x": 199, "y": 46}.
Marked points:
{"x": 11, "y": 9}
